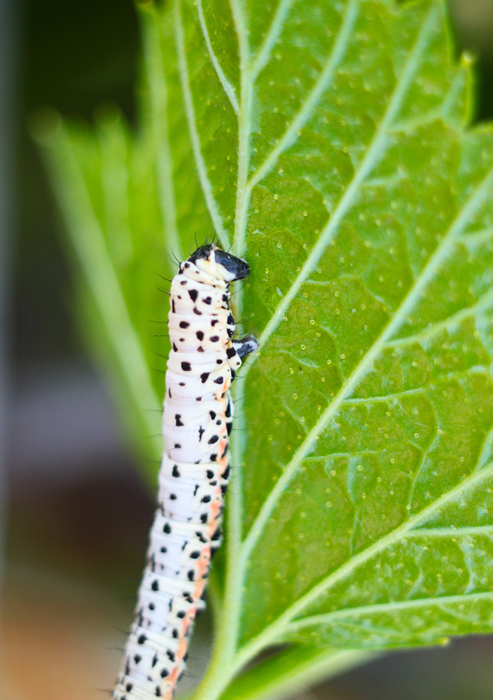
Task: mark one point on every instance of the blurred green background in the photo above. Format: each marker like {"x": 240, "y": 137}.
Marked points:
{"x": 76, "y": 511}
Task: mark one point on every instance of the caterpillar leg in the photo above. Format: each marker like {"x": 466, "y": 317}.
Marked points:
{"x": 244, "y": 346}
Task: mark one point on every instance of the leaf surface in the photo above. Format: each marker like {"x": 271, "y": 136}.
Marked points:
{"x": 328, "y": 143}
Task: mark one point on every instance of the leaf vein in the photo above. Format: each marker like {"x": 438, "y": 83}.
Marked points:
{"x": 315, "y": 94}
{"x": 435, "y": 328}
{"x": 392, "y": 606}
{"x": 227, "y": 87}
{"x": 271, "y": 37}
{"x": 451, "y": 531}
{"x": 194, "y": 134}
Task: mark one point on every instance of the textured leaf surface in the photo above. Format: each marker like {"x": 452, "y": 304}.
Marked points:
{"x": 328, "y": 143}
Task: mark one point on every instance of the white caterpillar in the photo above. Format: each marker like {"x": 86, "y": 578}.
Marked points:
{"x": 198, "y": 414}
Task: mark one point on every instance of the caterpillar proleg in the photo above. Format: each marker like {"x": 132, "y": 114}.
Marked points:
{"x": 194, "y": 474}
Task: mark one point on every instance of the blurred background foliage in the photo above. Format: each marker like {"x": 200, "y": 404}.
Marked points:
{"x": 78, "y": 511}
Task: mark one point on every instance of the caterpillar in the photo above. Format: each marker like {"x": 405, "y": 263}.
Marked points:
{"x": 194, "y": 473}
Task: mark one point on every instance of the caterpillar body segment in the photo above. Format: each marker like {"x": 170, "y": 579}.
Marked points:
{"x": 194, "y": 474}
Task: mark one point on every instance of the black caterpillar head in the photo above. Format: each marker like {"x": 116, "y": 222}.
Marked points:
{"x": 222, "y": 264}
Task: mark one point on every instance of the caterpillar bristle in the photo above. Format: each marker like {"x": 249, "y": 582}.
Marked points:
{"x": 175, "y": 258}
{"x": 163, "y": 277}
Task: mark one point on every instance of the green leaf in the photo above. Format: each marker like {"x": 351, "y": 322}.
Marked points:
{"x": 328, "y": 143}
{"x": 292, "y": 670}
